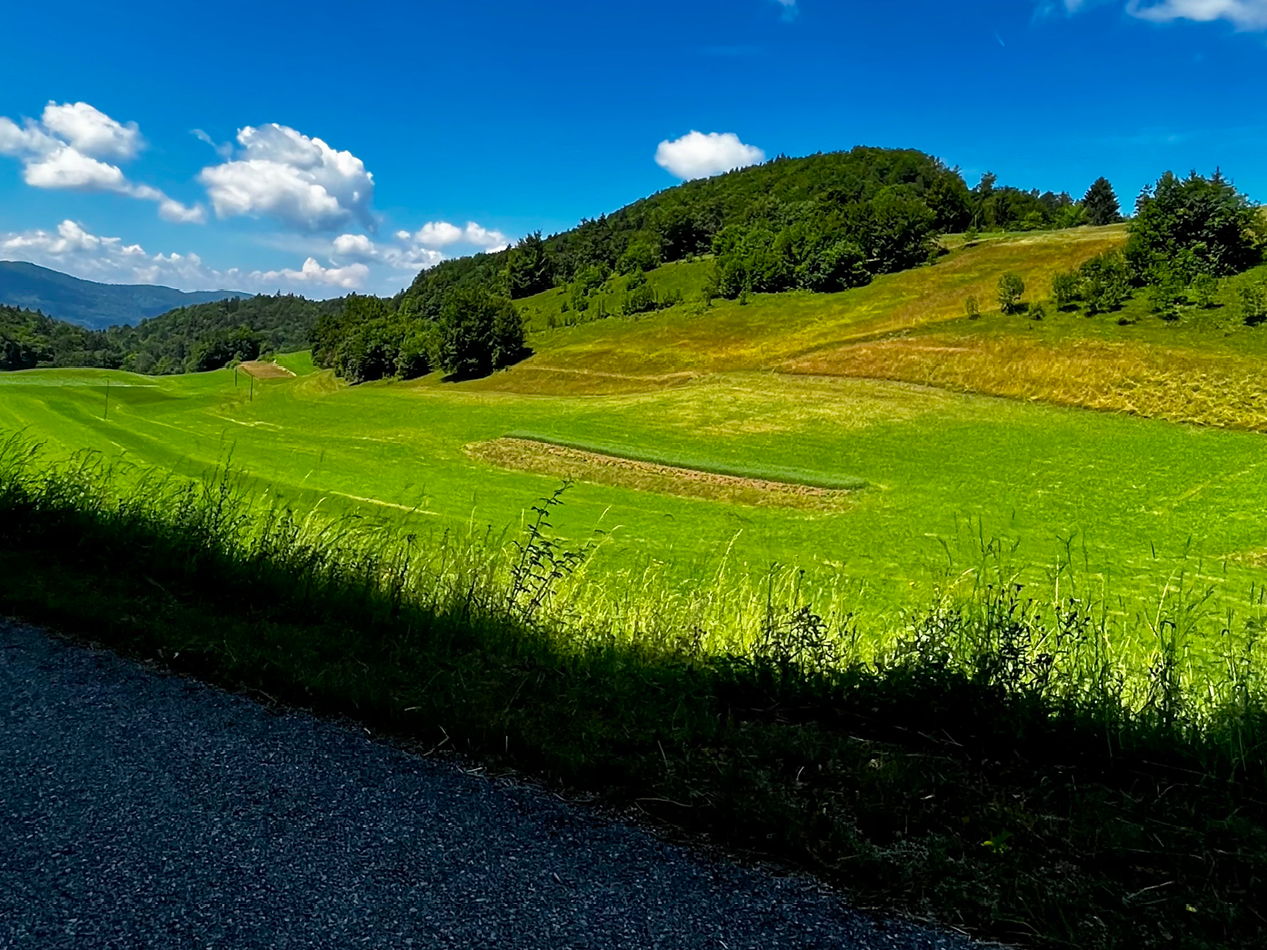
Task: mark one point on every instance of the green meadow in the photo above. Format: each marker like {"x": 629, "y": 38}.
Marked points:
{"x": 954, "y": 487}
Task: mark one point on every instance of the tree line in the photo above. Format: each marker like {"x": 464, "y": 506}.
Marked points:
{"x": 186, "y": 340}
{"x": 1186, "y": 234}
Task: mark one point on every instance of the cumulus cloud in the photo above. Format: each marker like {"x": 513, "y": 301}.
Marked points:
{"x": 696, "y": 155}
{"x": 292, "y": 178}
{"x": 413, "y": 251}
{"x": 357, "y": 247}
{"x": 73, "y": 249}
{"x": 66, "y": 167}
{"x": 65, "y": 150}
{"x": 312, "y": 272}
{"x": 91, "y": 131}
{"x": 1243, "y": 14}
{"x": 439, "y": 234}
{"x": 442, "y": 234}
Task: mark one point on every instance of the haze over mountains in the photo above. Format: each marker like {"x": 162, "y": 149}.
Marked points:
{"x": 90, "y": 304}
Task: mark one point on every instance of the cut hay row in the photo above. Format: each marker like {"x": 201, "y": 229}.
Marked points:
{"x": 574, "y": 464}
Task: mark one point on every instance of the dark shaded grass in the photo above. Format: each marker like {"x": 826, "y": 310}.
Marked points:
{"x": 987, "y": 773}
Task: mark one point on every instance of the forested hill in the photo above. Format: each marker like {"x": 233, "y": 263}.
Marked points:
{"x": 822, "y": 223}
{"x": 91, "y": 304}
{"x": 850, "y": 214}
{"x": 188, "y": 339}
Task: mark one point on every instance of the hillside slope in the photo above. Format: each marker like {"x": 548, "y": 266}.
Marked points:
{"x": 1205, "y": 366}
{"x": 90, "y": 304}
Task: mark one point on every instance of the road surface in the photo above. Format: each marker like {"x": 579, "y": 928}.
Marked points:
{"x": 139, "y": 809}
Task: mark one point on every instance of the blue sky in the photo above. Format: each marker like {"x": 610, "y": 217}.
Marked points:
{"x": 320, "y": 147}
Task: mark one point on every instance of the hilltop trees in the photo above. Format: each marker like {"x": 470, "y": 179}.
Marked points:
{"x": 1101, "y": 203}
{"x": 473, "y": 333}
{"x": 529, "y": 268}
{"x": 1192, "y": 225}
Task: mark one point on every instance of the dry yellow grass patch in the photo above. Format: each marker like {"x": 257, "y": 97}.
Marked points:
{"x": 541, "y": 458}
{"x": 1175, "y": 384}
{"x": 661, "y": 350}
{"x": 264, "y": 370}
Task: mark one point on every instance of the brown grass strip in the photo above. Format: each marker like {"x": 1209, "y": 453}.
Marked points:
{"x": 1214, "y": 389}
{"x": 541, "y": 458}
{"x": 263, "y": 370}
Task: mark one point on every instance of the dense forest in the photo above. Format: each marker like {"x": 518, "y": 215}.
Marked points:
{"x": 189, "y": 339}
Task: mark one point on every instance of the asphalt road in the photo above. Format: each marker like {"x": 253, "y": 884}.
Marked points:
{"x": 139, "y": 809}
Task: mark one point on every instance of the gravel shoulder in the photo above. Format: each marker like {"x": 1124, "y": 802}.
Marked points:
{"x": 141, "y": 809}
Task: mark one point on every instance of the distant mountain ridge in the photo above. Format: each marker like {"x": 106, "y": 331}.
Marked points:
{"x": 90, "y": 304}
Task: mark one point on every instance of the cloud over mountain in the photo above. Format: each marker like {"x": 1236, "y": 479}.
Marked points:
{"x": 696, "y": 155}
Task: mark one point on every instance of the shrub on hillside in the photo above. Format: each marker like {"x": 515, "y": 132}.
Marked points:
{"x": 1105, "y": 282}
{"x": 1204, "y": 287}
{"x": 642, "y": 254}
{"x": 1253, "y": 300}
{"x": 1011, "y": 289}
{"x": 1066, "y": 290}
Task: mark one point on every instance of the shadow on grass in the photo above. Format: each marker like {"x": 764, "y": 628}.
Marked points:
{"x": 988, "y": 772}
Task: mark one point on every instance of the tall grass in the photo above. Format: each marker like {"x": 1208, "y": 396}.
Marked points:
{"x": 995, "y": 760}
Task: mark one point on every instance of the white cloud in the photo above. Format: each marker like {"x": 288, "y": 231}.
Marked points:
{"x": 74, "y": 250}
{"x": 486, "y": 239}
{"x": 91, "y": 131}
{"x": 696, "y": 155}
{"x": 66, "y": 167}
{"x": 348, "y": 278}
{"x": 58, "y": 152}
{"x": 1243, "y": 14}
{"x": 300, "y": 181}
{"x": 439, "y": 234}
{"x": 789, "y": 8}
{"x": 26, "y": 139}
{"x": 355, "y": 246}
{"x": 442, "y": 234}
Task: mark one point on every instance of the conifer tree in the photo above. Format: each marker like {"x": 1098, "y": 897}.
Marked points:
{"x": 1101, "y": 203}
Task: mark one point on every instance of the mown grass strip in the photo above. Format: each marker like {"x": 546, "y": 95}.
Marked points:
{"x": 790, "y": 476}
